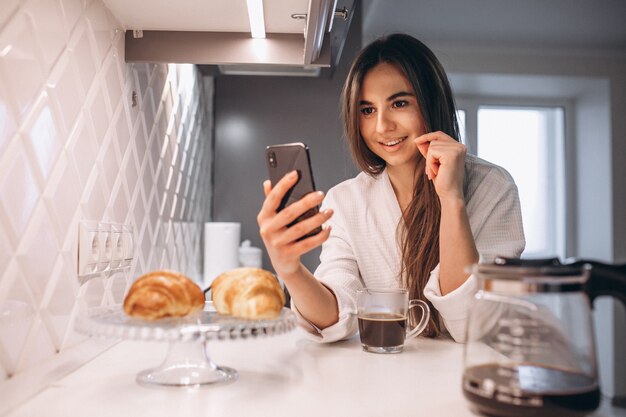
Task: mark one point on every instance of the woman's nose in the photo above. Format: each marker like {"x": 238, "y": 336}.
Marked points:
{"x": 384, "y": 122}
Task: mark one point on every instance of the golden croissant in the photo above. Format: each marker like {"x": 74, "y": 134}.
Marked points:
{"x": 250, "y": 293}
{"x": 163, "y": 294}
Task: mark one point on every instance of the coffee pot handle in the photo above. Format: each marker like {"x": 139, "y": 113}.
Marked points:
{"x": 605, "y": 279}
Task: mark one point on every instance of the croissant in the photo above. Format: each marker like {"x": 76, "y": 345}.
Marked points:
{"x": 163, "y": 294}
{"x": 249, "y": 293}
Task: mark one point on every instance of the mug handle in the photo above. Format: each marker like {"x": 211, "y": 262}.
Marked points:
{"x": 423, "y": 322}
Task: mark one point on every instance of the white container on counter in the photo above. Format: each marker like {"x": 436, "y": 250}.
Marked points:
{"x": 250, "y": 256}
{"x": 221, "y": 249}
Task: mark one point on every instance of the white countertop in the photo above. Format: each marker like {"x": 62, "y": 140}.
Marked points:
{"x": 284, "y": 375}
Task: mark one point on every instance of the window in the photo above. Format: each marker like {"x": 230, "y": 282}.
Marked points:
{"x": 528, "y": 141}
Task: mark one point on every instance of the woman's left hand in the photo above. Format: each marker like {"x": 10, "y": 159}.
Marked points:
{"x": 445, "y": 164}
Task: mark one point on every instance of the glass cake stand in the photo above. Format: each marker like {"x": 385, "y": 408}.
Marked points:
{"x": 187, "y": 364}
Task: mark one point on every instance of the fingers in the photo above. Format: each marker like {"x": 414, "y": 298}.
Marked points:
{"x": 273, "y": 226}
{"x": 306, "y": 245}
{"x": 285, "y": 239}
{"x": 422, "y": 144}
{"x": 303, "y": 227}
{"x": 429, "y": 152}
{"x": 289, "y": 214}
{"x": 274, "y": 195}
{"x": 267, "y": 187}
{"x": 438, "y": 149}
{"x": 295, "y": 210}
{"x": 432, "y": 165}
{"x": 310, "y": 243}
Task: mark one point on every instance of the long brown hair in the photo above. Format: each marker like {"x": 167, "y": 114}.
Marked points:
{"x": 419, "y": 233}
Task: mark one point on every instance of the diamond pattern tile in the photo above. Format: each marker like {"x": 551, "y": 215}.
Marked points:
{"x": 139, "y": 210}
{"x": 99, "y": 111}
{"x": 21, "y": 62}
{"x": 65, "y": 93}
{"x": 122, "y": 130}
{"x": 17, "y": 315}
{"x": 95, "y": 196}
{"x": 73, "y": 148}
{"x": 6, "y": 252}
{"x": 119, "y": 202}
{"x": 61, "y": 195}
{"x": 110, "y": 163}
{"x": 144, "y": 73}
{"x": 38, "y": 253}
{"x": 8, "y": 126}
{"x": 160, "y": 127}
{"x": 38, "y": 347}
{"x": 82, "y": 55}
{"x": 8, "y": 8}
{"x": 101, "y": 31}
{"x": 118, "y": 285}
{"x": 59, "y": 303}
{"x": 21, "y": 185}
{"x": 148, "y": 109}
{"x": 72, "y": 10}
{"x": 130, "y": 170}
{"x": 158, "y": 81}
{"x": 51, "y": 33}
{"x": 43, "y": 138}
{"x": 92, "y": 292}
{"x": 3, "y": 373}
{"x": 112, "y": 81}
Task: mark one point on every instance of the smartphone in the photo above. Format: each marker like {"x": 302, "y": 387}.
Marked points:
{"x": 284, "y": 158}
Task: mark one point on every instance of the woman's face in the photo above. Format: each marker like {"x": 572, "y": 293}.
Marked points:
{"x": 389, "y": 116}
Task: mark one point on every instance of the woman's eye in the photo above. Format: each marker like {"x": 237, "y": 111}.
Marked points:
{"x": 366, "y": 111}
{"x": 399, "y": 104}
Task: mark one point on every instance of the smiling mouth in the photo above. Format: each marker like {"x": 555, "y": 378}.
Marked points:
{"x": 393, "y": 142}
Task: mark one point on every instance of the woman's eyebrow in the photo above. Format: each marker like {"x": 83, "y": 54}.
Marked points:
{"x": 400, "y": 94}
{"x": 390, "y": 98}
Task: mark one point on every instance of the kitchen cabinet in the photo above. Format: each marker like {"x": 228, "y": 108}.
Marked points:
{"x": 299, "y": 33}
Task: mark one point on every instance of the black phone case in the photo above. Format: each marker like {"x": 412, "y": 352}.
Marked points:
{"x": 284, "y": 158}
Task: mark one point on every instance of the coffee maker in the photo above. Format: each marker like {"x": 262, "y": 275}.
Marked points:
{"x": 530, "y": 347}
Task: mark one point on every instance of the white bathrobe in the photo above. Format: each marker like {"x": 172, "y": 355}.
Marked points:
{"x": 363, "y": 251}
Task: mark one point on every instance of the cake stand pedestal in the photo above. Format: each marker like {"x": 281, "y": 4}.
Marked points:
{"x": 187, "y": 364}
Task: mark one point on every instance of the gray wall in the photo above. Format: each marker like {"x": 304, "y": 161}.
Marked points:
{"x": 252, "y": 112}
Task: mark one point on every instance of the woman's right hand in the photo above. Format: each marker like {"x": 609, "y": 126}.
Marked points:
{"x": 281, "y": 241}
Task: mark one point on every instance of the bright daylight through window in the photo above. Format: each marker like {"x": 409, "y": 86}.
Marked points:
{"x": 528, "y": 143}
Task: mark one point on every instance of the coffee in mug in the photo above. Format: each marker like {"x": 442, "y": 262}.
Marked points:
{"x": 382, "y": 316}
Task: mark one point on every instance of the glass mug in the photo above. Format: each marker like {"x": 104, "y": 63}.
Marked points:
{"x": 382, "y": 315}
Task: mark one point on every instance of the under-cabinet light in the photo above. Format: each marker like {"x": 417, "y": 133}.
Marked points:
{"x": 257, "y": 21}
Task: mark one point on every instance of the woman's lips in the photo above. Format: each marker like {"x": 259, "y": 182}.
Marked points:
{"x": 392, "y": 142}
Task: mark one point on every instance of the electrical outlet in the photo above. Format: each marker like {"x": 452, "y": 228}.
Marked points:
{"x": 104, "y": 258}
{"x": 128, "y": 245}
{"x": 117, "y": 246}
{"x": 104, "y": 248}
{"x": 88, "y": 248}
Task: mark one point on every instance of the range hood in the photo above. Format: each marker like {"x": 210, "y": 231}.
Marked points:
{"x": 301, "y": 36}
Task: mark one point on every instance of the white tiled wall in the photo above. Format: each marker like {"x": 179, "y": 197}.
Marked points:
{"x": 73, "y": 147}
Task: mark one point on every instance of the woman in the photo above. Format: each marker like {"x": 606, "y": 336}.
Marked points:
{"x": 419, "y": 213}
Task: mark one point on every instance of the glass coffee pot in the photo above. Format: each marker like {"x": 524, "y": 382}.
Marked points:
{"x": 530, "y": 345}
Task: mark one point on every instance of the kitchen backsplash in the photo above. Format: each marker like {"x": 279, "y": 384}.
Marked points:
{"x": 85, "y": 136}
